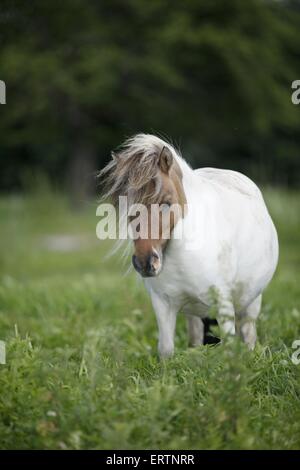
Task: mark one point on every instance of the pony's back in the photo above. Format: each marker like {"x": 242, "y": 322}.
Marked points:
{"x": 230, "y": 179}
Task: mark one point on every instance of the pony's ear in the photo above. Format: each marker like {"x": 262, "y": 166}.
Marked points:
{"x": 165, "y": 160}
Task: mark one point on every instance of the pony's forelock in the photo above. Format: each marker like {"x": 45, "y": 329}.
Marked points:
{"x": 133, "y": 170}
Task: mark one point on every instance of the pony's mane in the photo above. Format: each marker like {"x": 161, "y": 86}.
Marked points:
{"x": 133, "y": 170}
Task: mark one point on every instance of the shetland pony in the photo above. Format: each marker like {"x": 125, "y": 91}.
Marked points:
{"x": 223, "y": 246}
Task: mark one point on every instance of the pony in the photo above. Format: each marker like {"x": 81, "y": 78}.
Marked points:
{"x": 222, "y": 250}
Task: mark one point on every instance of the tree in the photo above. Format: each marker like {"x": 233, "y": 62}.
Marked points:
{"x": 215, "y": 75}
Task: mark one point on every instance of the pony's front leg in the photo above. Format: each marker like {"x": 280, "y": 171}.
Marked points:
{"x": 166, "y": 315}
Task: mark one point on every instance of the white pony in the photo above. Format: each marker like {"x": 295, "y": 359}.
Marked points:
{"x": 223, "y": 248}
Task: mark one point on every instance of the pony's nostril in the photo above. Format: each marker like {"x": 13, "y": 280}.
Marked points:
{"x": 136, "y": 263}
{"x": 153, "y": 262}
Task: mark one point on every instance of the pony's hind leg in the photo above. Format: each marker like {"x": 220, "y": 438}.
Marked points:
{"x": 195, "y": 328}
{"x": 226, "y": 316}
{"x": 247, "y": 322}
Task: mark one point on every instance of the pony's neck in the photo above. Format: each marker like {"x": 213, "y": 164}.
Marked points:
{"x": 184, "y": 166}
{"x": 188, "y": 175}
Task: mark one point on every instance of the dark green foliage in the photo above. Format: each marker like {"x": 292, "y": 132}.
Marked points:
{"x": 215, "y": 76}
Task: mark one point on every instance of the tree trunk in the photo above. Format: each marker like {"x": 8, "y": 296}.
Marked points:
{"x": 82, "y": 166}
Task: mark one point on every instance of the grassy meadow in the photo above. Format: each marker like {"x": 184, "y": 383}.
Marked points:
{"x": 81, "y": 367}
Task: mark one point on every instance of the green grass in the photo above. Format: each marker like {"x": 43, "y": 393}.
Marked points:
{"x": 82, "y": 370}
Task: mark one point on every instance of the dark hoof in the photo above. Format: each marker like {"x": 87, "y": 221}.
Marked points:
{"x": 209, "y": 338}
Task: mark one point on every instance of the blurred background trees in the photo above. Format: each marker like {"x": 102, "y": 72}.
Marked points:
{"x": 215, "y": 76}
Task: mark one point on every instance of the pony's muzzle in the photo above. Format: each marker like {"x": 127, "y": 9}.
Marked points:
{"x": 148, "y": 266}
